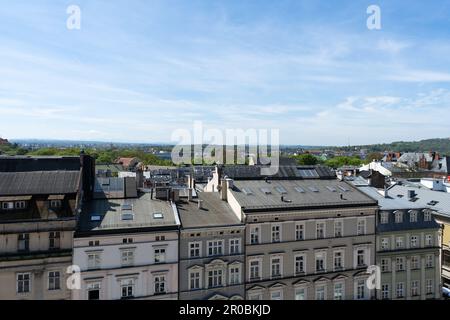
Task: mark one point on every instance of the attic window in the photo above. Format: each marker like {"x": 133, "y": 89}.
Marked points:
{"x": 299, "y": 189}
{"x": 127, "y": 212}
{"x": 95, "y": 218}
{"x": 313, "y": 189}
{"x": 247, "y": 191}
{"x": 432, "y": 203}
{"x": 332, "y": 189}
{"x": 343, "y": 188}
{"x": 308, "y": 173}
{"x": 281, "y": 189}
{"x": 158, "y": 215}
{"x": 266, "y": 190}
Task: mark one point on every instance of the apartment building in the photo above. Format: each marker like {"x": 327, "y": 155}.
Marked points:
{"x": 212, "y": 261}
{"x": 37, "y": 219}
{"x": 408, "y": 247}
{"x": 127, "y": 249}
{"x": 308, "y": 235}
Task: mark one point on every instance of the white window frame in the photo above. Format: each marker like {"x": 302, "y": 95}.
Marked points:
{"x": 342, "y": 259}
{"x": 316, "y": 291}
{"x": 324, "y": 229}
{"x": 338, "y": 231}
{"x": 190, "y": 278}
{"x": 94, "y": 263}
{"x": 160, "y": 253}
{"x": 415, "y": 262}
{"x": 398, "y": 286}
{"x": 399, "y": 240}
{"x": 280, "y": 275}
{"x": 23, "y": 281}
{"x": 414, "y": 241}
{"x": 362, "y": 222}
{"x": 341, "y": 292}
{"x": 398, "y": 217}
{"x": 305, "y": 292}
{"x": 233, "y": 275}
{"x": 429, "y": 240}
{"x": 385, "y": 267}
{"x": 255, "y": 232}
{"x": 413, "y": 216}
{"x": 259, "y": 268}
{"x": 400, "y": 264}
{"x": 385, "y": 291}
{"x": 300, "y": 255}
{"x": 213, "y": 246}
{"x": 415, "y": 288}
{"x": 54, "y": 280}
{"x": 300, "y": 229}
{"x": 195, "y": 246}
{"x": 236, "y": 245}
{"x": 162, "y": 282}
{"x": 384, "y": 217}
{"x": 274, "y": 232}
{"x": 429, "y": 261}
{"x": 384, "y": 244}
{"x": 324, "y": 258}
{"x": 276, "y": 291}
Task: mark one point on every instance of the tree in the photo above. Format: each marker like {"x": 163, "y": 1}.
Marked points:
{"x": 374, "y": 156}
{"x": 307, "y": 159}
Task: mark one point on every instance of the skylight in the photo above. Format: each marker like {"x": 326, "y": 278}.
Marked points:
{"x": 313, "y": 189}
{"x": 332, "y": 189}
{"x": 247, "y": 191}
{"x": 158, "y": 215}
{"x": 281, "y": 189}
{"x": 299, "y": 189}
{"x": 308, "y": 173}
{"x": 95, "y": 218}
{"x": 433, "y": 203}
{"x": 345, "y": 189}
{"x": 266, "y": 190}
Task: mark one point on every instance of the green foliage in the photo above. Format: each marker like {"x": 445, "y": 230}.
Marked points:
{"x": 374, "y": 156}
{"x": 307, "y": 159}
{"x": 337, "y": 162}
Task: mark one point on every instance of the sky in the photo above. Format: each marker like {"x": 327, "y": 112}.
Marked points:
{"x": 136, "y": 71}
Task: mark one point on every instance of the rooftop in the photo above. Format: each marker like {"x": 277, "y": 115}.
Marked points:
{"x": 38, "y": 163}
{"x": 39, "y": 182}
{"x": 214, "y": 212}
{"x": 243, "y": 172}
{"x": 262, "y": 195}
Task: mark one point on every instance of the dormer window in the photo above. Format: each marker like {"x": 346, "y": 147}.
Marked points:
{"x": 398, "y": 217}
{"x": 7, "y": 205}
{"x": 55, "y": 204}
{"x": 127, "y": 212}
{"x": 20, "y": 205}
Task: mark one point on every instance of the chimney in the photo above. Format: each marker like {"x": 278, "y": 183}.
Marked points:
{"x": 230, "y": 183}
{"x": 223, "y": 189}
{"x": 139, "y": 178}
{"x": 386, "y": 192}
{"x": 175, "y": 195}
{"x": 411, "y": 194}
{"x": 189, "y": 194}
{"x": 200, "y": 204}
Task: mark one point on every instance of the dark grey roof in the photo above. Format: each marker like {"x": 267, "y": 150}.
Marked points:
{"x": 35, "y": 163}
{"x": 261, "y": 196}
{"x": 110, "y": 214}
{"x": 214, "y": 212}
{"x": 39, "y": 182}
{"x": 243, "y": 172}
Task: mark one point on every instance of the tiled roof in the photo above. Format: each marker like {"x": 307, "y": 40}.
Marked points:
{"x": 28, "y": 163}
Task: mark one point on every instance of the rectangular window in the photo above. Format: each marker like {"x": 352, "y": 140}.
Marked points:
{"x": 429, "y": 261}
{"x": 55, "y": 204}
{"x": 54, "y": 279}
{"x": 361, "y": 227}
{"x": 215, "y": 278}
{"x": 215, "y": 248}
{"x": 398, "y": 217}
{"x": 194, "y": 280}
{"x": 413, "y": 216}
{"x": 429, "y": 286}
{"x": 414, "y": 262}
{"x": 275, "y": 267}
{"x": 429, "y": 240}
{"x": 338, "y": 260}
{"x": 427, "y": 216}
{"x": 20, "y": 205}
{"x": 299, "y": 231}
{"x": 384, "y": 243}
{"x": 276, "y": 233}
{"x": 385, "y": 265}
{"x": 23, "y": 282}
{"x": 300, "y": 293}
{"x": 235, "y": 275}
{"x": 360, "y": 289}
{"x": 160, "y": 284}
{"x": 93, "y": 291}
{"x": 194, "y": 249}
{"x": 320, "y": 262}
{"x": 414, "y": 242}
{"x": 400, "y": 290}
{"x": 276, "y": 295}
{"x": 320, "y": 230}
{"x": 23, "y": 242}
{"x": 54, "y": 240}
{"x": 338, "y": 228}
{"x": 127, "y": 288}
{"x": 255, "y": 270}
{"x": 299, "y": 264}
{"x": 399, "y": 244}
{"x": 254, "y": 234}
{"x": 385, "y": 292}
{"x": 127, "y": 257}
{"x": 320, "y": 292}
{"x": 160, "y": 255}
{"x": 255, "y": 296}
{"x": 93, "y": 260}
{"x": 338, "y": 291}
{"x": 235, "y": 246}
{"x": 7, "y": 205}
{"x": 384, "y": 217}
{"x": 361, "y": 257}
{"x": 400, "y": 264}
{"x": 415, "y": 288}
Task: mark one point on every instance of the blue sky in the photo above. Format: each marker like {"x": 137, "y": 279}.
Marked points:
{"x": 138, "y": 70}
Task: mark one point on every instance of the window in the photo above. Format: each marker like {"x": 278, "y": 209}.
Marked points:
{"x": 300, "y": 293}
{"x": 194, "y": 249}
{"x": 23, "y": 242}
{"x": 360, "y": 257}
{"x": 255, "y": 270}
{"x": 160, "y": 284}
{"x": 320, "y": 261}
{"x": 54, "y": 280}
{"x": 338, "y": 291}
{"x": 7, "y": 205}
{"x": 276, "y": 233}
{"x": 93, "y": 290}
{"x": 160, "y": 255}
{"x": 215, "y": 248}
{"x": 215, "y": 278}
{"x": 429, "y": 286}
{"x": 194, "y": 280}
{"x": 415, "y": 288}
{"x": 320, "y": 230}
{"x": 23, "y": 282}
{"x": 361, "y": 227}
{"x": 127, "y": 240}
{"x": 338, "y": 228}
{"x": 93, "y": 260}
{"x": 160, "y": 238}
{"x": 235, "y": 275}
{"x": 384, "y": 243}
{"x": 414, "y": 241}
{"x": 275, "y": 267}
{"x": 385, "y": 294}
{"x": 55, "y": 204}
{"x": 95, "y": 243}
{"x": 254, "y": 234}
{"x": 429, "y": 240}
{"x": 400, "y": 290}
{"x": 158, "y": 215}
{"x": 384, "y": 217}
{"x": 429, "y": 261}
{"x": 400, "y": 264}
{"x": 398, "y": 217}
{"x": 385, "y": 265}
{"x": 399, "y": 243}
{"x": 413, "y": 216}
{"x": 127, "y": 257}
{"x": 299, "y": 231}
{"x": 127, "y": 288}
{"x": 360, "y": 289}
{"x": 255, "y": 296}
{"x": 276, "y": 295}
{"x": 299, "y": 264}
{"x": 427, "y": 216}
{"x": 338, "y": 260}
{"x": 320, "y": 292}
{"x": 54, "y": 240}
{"x": 414, "y": 262}
{"x": 235, "y": 246}
{"x": 20, "y": 205}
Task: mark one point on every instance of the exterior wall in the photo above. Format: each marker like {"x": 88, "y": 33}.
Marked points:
{"x": 142, "y": 271}
{"x": 204, "y": 263}
{"x": 289, "y": 248}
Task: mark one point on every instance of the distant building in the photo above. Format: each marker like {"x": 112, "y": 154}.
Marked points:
{"x": 128, "y": 163}
{"x": 3, "y": 141}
